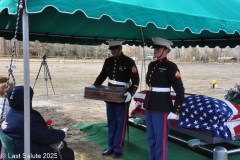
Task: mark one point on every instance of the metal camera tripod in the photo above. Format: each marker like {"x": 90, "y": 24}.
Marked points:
{"x": 46, "y": 73}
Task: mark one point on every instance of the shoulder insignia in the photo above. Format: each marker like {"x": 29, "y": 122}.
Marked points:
{"x": 134, "y": 70}
{"x": 177, "y": 74}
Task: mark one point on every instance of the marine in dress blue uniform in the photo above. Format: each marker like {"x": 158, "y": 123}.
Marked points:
{"x": 162, "y": 74}
{"x": 119, "y": 69}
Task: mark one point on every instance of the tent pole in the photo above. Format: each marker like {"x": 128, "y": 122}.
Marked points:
{"x": 143, "y": 59}
{"x": 25, "y": 26}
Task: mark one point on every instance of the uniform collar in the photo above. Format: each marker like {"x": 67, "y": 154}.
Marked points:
{"x": 119, "y": 57}
{"x": 163, "y": 60}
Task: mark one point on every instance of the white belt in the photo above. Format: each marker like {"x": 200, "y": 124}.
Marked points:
{"x": 118, "y": 83}
{"x": 158, "y": 89}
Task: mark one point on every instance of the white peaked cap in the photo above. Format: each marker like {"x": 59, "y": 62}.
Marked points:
{"x": 161, "y": 42}
{"x": 115, "y": 43}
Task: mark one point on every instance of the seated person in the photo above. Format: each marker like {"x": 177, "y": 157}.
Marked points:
{"x": 2, "y": 93}
{"x": 41, "y": 136}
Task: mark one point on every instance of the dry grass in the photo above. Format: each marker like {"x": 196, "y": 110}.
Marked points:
{"x": 67, "y": 106}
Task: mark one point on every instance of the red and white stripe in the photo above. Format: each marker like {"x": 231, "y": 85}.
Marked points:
{"x": 233, "y": 122}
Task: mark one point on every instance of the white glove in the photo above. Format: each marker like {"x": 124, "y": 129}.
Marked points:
{"x": 173, "y": 116}
{"x": 128, "y": 96}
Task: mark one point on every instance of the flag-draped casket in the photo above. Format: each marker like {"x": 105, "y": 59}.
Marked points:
{"x": 221, "y": 117}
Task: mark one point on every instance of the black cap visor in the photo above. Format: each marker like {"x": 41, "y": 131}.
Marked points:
{"x": 158, "y": 46}
{"x": 113, "y": 47}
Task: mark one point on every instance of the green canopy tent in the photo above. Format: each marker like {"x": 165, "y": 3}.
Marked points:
{"x": 186, "y": 23}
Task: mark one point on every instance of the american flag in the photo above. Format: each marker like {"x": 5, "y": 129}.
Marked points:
{"x": 221, "y": 117}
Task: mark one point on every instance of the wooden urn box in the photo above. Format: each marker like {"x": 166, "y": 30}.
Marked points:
{"x": 105, "y": 93}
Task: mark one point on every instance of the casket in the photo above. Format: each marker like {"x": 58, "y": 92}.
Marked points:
{"x": 105, "y": 93}
{"x": 221, "y": 122}
{"x": 201, "y": 112}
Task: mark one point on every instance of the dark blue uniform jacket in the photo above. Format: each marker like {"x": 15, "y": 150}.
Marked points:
{"x": 122, "y": 69}
{"x": 164, "y": 74}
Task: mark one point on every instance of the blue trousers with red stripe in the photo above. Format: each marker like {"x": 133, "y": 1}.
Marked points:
{"x": 117, "y": 121}
{"x": 157, "y": 134}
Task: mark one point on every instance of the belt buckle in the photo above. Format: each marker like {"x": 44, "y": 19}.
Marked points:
{"x": 150, "y": 88}
{"x": 114, "y": 82}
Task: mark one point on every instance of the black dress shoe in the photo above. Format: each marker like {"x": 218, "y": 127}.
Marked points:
{"x": 107, "y": 152}
{"x": 116, "y": 155}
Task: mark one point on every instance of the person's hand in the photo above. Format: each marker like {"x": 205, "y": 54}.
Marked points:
{"x": 64, "y": 132}
{"x": 128, "y": 98}
{"x": 65, "y": 129}
{"x": 173, "y": 116}
{"x": 4, "y": 124}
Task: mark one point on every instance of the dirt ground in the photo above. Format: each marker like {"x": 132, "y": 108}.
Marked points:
{"x": 67, "y": 106}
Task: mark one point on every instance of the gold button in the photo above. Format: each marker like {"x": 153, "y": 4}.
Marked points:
{"x": 150, "y": 88}
{"x": 115, "y": 64}
{"x": 152, "y": 71}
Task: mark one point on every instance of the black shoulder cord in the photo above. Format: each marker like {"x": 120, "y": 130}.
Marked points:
{"x": 10, "y": 74}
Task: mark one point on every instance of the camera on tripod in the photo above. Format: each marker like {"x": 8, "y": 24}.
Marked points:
{"x": 46, "y": 73}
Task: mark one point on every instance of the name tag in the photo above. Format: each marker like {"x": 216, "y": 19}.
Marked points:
{"x": 162, "y": 69}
